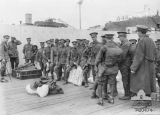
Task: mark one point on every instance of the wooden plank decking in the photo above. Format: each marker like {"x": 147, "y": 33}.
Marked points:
{"x": 14, "y": 100}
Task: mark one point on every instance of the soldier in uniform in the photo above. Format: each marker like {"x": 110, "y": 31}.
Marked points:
{"x": 73, "y": 60}
{"x": 67, "y": 44}
{"x": 39, "y": 55}
{"x": 54, "y": 55}
{"x": 158, "y": 61}
{"x": 52, "y": 42}
{"x": 133, "y": 41}
{"x": 94, "y": 51}
{"x": 61, "y": 60}
{"x": 3, "y": 57}
{"x": 47, "y": 58}
{"x": 28, "y": 51}
{"x": 13, "y": 52}
{"x": 124, "y": 65}
{"x": 143, "y": 67}
{"x": 84, "y": 62}
{"x": 107, "y": 63}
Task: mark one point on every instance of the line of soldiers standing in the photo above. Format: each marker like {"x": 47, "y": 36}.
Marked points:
{"x": 104, "y": 59}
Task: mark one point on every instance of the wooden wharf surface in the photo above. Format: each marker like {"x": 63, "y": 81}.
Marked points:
{"x": 14, "y": 100}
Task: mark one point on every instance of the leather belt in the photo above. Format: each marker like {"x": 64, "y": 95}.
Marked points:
{"x": 152, "y": 60}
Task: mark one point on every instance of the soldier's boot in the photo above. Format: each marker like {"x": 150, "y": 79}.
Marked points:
{"x": 95, "y": 85}
{"x": 94, "y": 96}
{"x": 86, "y": 84}
{"x": 2, "y": 76}
{"x": 126, "y": 93}
{"x": 115, "y": 89}
{"x": 111, "y": 98}
{"x": 66, "y": 78}
{"x": 100, "y": 101}
{"x": 105, "y": 94}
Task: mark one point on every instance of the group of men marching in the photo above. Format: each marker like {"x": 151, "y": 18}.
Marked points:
{"x": 135, "y": 62}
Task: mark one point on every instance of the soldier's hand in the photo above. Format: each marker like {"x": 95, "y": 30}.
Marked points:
{"x": 132, "y": 72}
{"x": 3, "y": 60}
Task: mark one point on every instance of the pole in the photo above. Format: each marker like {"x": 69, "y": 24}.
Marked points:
{"x": 80, "y": 16}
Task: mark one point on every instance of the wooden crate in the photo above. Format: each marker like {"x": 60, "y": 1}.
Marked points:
{"x": 26, "y": 74}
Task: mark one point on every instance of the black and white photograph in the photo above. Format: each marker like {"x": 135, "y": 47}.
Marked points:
{"x": 79, "y": 57}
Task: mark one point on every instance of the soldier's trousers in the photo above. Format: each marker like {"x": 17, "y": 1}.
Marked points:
{"x": 125, "y": 72}
{"x": 14, "y": 62}
{"x": 93, "y": 71}
{"x": 27, "y": 60}
{"x": 3, "y": 69}
{"x": 41, "y": 65}
{"x": 85, "y": 74}
{"x": 58, "y": 68}
{"x": 52, "y": 65}
{"x": 68, "y": 71}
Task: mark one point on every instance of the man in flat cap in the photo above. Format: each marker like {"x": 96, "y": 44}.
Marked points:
{"x": 61, "y": 59}
{"x": 124, "y": 65}
{"x": 85, "y": 62}
{"x": 3, "y": 57}
{"x": 73, "y": 60}
{"x": 47, "y": 58}
{"x": 28, "y": 51}
{"x": 52, "y": 42}
{"x": 54, "y": 55}
{"x": 94, "y": 51}
{"x": 142, "y": 68}
{"x": 13, "y": 52}
{"x": 107, "y": 63}
{"x": 158, "y": 61}
{"x": 39, "y": 55}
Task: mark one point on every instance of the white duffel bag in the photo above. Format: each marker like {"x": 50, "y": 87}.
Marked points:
{"x": 43, "y": 90}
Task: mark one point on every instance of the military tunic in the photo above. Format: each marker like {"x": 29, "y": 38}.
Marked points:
{"x": 39, "y": 57}
{"x": 94, "y": 51}
{"x": 3, "y": 56}
{"x": 28, "y": 52}
{"x": 143, "y": 66}
{"x": 85, "y": 62}
{"x": 158, "y": 65}
{"x": 13, "y": 53}
{"x": 61, "y": 61}
{"x": 54, "y": 57}
{"x": 125, "y": 63}
{"x": 108, "y": 68}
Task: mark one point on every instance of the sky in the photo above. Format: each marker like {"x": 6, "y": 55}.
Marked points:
{"x": 93, "y": 12}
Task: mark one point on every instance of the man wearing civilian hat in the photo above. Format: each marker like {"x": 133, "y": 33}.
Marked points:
{"x": 13, "y": 52}
{"x": 142, "y": 68}
{"x": 3, "y": 57}
{"x": 124, "y": 65}
{"x": 84, "y": 62}
{"x": 47, "y": 58}
{"x": 52, "y": 42}
{"x": 158, "y": 61}
{"x": 39, "y": 55}
{"x": 61, "y": 59}
{"x": 133, "y": 41}
{"x": 73, "y": 59}
{"x": 107, "y": 63}
{"x": 28, "y": 51}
